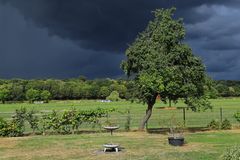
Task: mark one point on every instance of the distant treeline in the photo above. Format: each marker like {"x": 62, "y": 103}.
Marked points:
{"x": 228, "y": 88}
{"x": 76, "y": 88}
{"x": 81, "y": 88}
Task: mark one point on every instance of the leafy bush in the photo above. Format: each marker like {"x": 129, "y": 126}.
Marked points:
{"x": 32, "y": 120}
{"x": 45, "y": 122}
{"x": 16, "y": 126}
{"x": 226, "y": 124}
{"x": 67, "y": 122}
{"x": 3, "y": 126}
{"x": 232, "y": 153}
{"x": 237, "y": 116}
{"x": 50, "y": 121}
{"x": 4, "y": 93}
{"x": 11, "y": 129}
{"x": 70, "y": 120}
{"x": 14, "y": 129}
{"x": 128, "y": 121}
{"x": 214, "y": 124}
{"x": 45, "y": 96}
{"x": 32, "y": 95}
{"x": 114, "y": 96}
{"x": 18, "y": 120}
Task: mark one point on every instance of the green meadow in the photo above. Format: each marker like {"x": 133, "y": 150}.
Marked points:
{"x": 208, "y": 145}
{"x": 135, "y": 146}
{"x": 160, "y": 117}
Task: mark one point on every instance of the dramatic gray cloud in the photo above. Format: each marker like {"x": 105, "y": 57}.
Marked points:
{"x": 28, "y": 51}
{"x": 57, "y": 38}
{"x": 217, "y": 40}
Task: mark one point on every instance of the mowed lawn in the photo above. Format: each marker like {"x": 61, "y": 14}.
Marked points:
{"x": 135, "y": 146}
{"x": 160, "y": 118}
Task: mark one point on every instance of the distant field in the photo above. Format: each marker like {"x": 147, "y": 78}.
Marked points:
{"x": 160, "y": 118}
{"x": 136, "y": 146}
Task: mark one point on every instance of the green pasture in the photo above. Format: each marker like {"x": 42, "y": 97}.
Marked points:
{"x": 160, "y": 117}
{"x": 135, "y": 146}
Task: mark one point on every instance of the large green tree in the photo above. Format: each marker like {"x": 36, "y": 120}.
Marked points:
{"x": 45, "y": 96}
{"x": 32, "y": 95}
{"x": 4, "y": 93}
{"x": 161, "y": 63}
{"x": 104, "y": 92}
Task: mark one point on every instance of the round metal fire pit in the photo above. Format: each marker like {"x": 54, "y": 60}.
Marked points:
{"x": 111, "y": 147}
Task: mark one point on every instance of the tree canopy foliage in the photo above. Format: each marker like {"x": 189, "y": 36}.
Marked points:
{"x": 161, "y": 63}
{"x": 4, "y": 93}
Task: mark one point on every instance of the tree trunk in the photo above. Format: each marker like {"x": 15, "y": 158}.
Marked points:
{"x": 146, "y": 117}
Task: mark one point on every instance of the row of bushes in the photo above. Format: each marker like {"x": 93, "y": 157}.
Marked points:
{"x": 215, "y": 125}
{"x": 63, "y": 123}
{"x": 225, "y": 124}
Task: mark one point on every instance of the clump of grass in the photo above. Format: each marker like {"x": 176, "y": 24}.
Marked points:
{"x": 232, "y": 153}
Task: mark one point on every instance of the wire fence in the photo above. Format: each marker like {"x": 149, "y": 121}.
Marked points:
{"x": 160, "y": 117}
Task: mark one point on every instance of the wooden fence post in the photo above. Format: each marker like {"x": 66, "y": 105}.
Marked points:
{"x": 184, "y": 117}
{"x": 221, "y": 114}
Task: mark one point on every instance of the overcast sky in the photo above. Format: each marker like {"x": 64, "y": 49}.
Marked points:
{"x": 61, "y": 39}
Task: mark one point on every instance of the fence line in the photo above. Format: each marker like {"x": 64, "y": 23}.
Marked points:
{"x": 161, "y": 118}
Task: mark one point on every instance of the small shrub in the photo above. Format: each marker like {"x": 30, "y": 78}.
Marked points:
{"x": 214, "y": 124}
{"x": 45, "y": 122}
{"x": 226, "y": 124}
{"x": 14, "y": 129}
{"x": 232, "y": 153}
{"x": 32, "y": 120}
{"x": 237, "y": 116}
{"x": 114, "y": 96}
{"x": 128, "y": 121}
{"x": 3, "y": 127}
{"x": 11, "y": 129}
{"x": 51, "y": 121}
{"x": 45, "y": 96}
{"x": 18, "y": 121}
{"x": 32, "y": 95}
{"x": 70, "y": 121}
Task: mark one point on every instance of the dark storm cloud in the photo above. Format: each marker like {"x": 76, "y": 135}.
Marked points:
{"x": 61, "y": 38}
{"x": 102, "y": 24}
{"x": 217, "y": 40}
{"x": 27, "y": 51}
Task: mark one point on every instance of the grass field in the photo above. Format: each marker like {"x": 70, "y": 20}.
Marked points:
{"x": 136, "y": 146}
{"x": 160, "y": 118}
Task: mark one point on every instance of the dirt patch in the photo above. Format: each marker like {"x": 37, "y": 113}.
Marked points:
{"x": 193, "y": 147}
{"x": 219, "y": 131}
{"x": 47, "y": 152}
{"x": 234, "y": 131}
{"x": 10, "y": 142}
{"x": 133, "y": 134}
{"x": 6, "y": 143}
